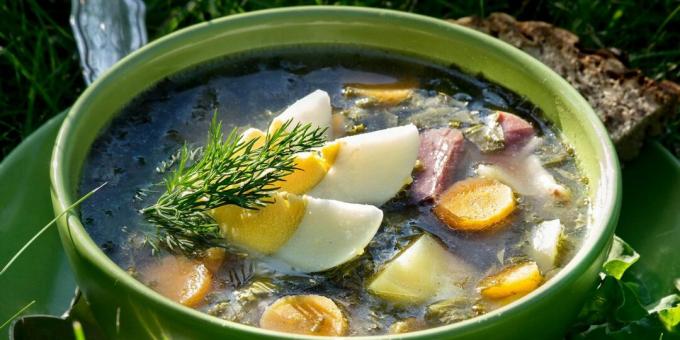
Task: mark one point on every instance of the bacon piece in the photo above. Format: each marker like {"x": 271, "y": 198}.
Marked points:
{"x": 516, "y": 131}
{"x": 439, "y": 152}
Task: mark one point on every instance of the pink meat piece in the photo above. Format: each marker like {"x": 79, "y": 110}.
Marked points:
{"x": 517, "y": 131}
{"x": 439, "y": 152}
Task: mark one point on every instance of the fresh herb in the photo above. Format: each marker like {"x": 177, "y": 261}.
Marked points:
{"x": 165, "y": 166}
{"x": 229, "y": 171}
{"x": 240, "y": 274}
{"x": 616, "y": 310}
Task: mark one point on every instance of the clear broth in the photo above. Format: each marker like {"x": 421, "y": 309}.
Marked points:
{"x": 133, "y": 154}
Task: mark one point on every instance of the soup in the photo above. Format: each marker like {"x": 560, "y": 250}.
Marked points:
{"x": 364, "y": 192}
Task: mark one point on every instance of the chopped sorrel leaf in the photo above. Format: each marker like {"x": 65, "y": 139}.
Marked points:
{"x": 488, "y": 136}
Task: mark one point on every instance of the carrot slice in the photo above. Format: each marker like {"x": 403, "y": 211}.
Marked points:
{"x": 515, "y": 280}
{"x": 407, "y": 325}
{"x": 213, "y": 258}
{"x": 305, "y": 314}
{"x": 475, "y": 204}
{"x": 179, "y": 279}
{"x": 382, "y": 94}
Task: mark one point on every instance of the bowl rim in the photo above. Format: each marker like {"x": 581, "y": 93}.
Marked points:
{"x": 611, "y": 177}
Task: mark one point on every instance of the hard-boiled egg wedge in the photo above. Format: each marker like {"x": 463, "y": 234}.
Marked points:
{"x": 309, "y": 234}
{"x": 369, "y": 168}
{"x": 330, "y": 233}
{"x": 372, "y": 167}
{"x": 314, "y": 109}
{"x": 311, "y": 166}
{"x": 312, "y": 169}
{"x": 424, "y": 272}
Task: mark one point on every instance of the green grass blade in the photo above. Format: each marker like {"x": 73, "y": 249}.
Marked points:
{"x": 78, "y": 332}
{"x": 16, "y": 314}
{"x": 27, "y": 244}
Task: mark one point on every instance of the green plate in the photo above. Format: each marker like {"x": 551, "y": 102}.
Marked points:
{"x": 650, "y": 222}
{"x": 650, "y": 218}
{"x": 42, "y": 273}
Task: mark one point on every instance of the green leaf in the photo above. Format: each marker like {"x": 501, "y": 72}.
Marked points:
{"x": 670, "y": 318}
{"x": 620, "y": 258}
{"x": 629, "y": 308}
{"x": 668, "y": 311}
{"x": 615, "y": 310}
{"x": 601, "y": 304}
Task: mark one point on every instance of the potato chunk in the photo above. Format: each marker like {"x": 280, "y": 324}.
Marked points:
{"x": 425, "y": 271}
{"x": 305, "y": 314}
{"x": 179, "y": 279}
{"x": 515, "y": 280}
{"x": 475, "y": 204}
{"x": 544, "y": 245}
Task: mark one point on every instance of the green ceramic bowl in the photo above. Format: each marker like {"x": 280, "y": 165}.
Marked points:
{"x": 127, "y": 309}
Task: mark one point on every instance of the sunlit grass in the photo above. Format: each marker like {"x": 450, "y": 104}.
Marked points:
{"x": 40, "y": 75}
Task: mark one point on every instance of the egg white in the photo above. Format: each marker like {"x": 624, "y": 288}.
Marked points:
{"x": 330, "y": 233}
{"x": 314, "y": 109}
{"x": 372, "y": 167}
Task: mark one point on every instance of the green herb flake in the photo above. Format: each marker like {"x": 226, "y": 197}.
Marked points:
{"x": 488, "y": 136}
{"x": 449, "y": 311}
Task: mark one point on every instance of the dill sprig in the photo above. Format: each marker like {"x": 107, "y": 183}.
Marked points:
{"x": 229, "y": 171}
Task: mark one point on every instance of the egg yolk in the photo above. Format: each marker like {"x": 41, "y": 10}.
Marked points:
{"x": 254, "y": 134}
{"x": 263, "y": 230}
{"x": 266, "y": 229}
{"x": 312, "y": 167}
{"x": 275, "y": 125}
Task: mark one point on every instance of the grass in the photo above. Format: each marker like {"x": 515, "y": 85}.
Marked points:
{"x": 40, "y": 75}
